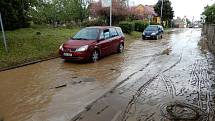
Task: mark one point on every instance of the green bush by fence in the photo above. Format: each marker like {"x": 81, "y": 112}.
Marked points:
{"x": 139, "y": 25}
{"x": 97, "y": 22}
{"x": 127, "y": 27}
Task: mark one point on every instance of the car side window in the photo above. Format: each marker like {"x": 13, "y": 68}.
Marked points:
{"x": 106, "y": 34}
{"x": 102, "y": 36}
{"x": 113, "y": 32}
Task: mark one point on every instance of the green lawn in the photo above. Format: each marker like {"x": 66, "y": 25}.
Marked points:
{"x": 25, "y": 45}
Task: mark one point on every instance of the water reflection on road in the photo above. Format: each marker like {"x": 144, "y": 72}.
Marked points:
{"x": 55, "y": 90}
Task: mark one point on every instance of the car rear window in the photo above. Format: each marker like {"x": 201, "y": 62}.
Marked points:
{"x": 119, "y": 31}
{"x": 113, "y": 32}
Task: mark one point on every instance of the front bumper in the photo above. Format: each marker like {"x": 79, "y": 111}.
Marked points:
{"x": 148, "y": 36}
{"x": 75, "y": 56}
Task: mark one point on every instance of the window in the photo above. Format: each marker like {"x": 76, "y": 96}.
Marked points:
{"x": 102, "y": 36}
{"x": 107, "y": 34}
{"x": 119, "y": 31}
{"x": 87, "y": 34}
{"x": 113, "y": 32}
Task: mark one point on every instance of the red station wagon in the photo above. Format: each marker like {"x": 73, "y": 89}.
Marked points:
{"x": 92, "y": 43}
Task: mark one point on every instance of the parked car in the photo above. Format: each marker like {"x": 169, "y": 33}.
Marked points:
{"x": 92, "y": 43}
{"x": 153, "y": 32}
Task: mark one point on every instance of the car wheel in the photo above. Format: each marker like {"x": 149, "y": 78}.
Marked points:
{"x": 120, "y": 48}
{"x": 95, "y": 56}
{"x": 161, "y": 36}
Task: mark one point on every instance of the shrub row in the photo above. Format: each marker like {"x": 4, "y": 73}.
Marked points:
{"x": 96, "y": 22}
{"x": 127, "y": 27}
{"x": 137, "y": 25}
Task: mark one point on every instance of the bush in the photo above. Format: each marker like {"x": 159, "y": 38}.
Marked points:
{"x": 97, "y": 22}
{"x": 139, "y": 25}
{"x": 127, "y": 27}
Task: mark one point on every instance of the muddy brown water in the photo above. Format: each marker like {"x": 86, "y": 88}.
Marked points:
{"x": 160, "y": 72}
{"x": 58, "y": 90}
{"x": 173, "y": 86}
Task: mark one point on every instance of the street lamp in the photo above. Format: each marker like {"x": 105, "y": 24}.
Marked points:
{"x": 3, "y": 34}
{"x": 110, "y": 12}
{"x": 161, "y": 11}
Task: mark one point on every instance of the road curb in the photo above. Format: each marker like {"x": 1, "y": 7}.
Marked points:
{"x": 88, "y": 107}
{"x": 28, "y": 63}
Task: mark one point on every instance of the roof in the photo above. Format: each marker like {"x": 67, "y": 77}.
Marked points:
{"x": 101, "y": 27}
{"x": 147, "y": 10}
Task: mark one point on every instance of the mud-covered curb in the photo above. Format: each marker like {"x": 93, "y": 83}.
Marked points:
{"x": 28, "y": 63}
{"x": 110, "y": 90}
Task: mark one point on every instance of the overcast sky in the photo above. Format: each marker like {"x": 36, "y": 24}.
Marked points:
{"x": 182, "y": 8}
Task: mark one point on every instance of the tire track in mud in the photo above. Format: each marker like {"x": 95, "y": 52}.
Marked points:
{"x": 200, "y": 79}
{"x": 169, "y": 85}
{"x": 135, "y": 97}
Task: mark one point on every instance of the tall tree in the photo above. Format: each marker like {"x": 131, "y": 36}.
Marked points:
{"x": 209, "y": 12}
{"x": 167, "y": 11}
{"x": 15, "y": 13}
{"x": 119, "y": 10}
{"x": 61, "y": 11}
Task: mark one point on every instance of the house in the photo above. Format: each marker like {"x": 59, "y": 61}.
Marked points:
{"x": 145, "y": 12}
{"x": 180, "y": 23}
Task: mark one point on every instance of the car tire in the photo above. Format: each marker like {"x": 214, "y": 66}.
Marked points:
{"x": 95, "y": 56}
{"x": 120, "y": 48}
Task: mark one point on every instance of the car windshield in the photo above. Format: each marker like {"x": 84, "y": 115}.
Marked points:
{"x": 151, "y": 28}
{"x": 87, "y": 34}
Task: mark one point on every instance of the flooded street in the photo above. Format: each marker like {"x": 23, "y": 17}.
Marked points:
{"x": 153, "y": 80}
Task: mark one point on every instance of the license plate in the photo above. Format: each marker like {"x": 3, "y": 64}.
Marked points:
{"x": 147, "y": 36}
{"x": 67, "y": 54}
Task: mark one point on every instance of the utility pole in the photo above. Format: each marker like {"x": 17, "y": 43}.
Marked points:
{"x": 110, "y": 12}
{"x": 161, "y": 12}
{"x": 3, "y": 34}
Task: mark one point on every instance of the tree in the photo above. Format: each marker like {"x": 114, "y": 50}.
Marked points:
{"x": 15, "y": 13}
{"x": 209, "y": 12}
{"x": 168, "y": 13}
{"x": 59, "y": 11}
{"x": 119, "y": 11}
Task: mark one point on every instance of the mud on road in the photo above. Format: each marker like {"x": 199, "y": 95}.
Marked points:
{"x": 164, "y": 80}
{"x": 178, "y": 85}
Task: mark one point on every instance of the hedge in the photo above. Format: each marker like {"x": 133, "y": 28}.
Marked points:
{"x": 139, "y": 25}
{"x": 127, "y": 27}
{"x": 97, "y": 22}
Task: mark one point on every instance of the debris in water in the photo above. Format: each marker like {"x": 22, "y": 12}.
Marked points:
{"x": 64, "y": 85}
{"x": 166, "y": 51}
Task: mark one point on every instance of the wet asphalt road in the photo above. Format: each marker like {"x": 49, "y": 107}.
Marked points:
{"x": 163, "y": 80}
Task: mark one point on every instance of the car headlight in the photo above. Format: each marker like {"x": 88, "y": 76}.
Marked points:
{"x": 61, "y": 47}
{"x": 143, "y": 33}
{"x": 82, "y": 48}
{"x": 153, "y": 33}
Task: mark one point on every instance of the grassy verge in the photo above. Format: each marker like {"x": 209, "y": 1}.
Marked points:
{"x": 132, "y": 37}
{"x": 31, "y": 44}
